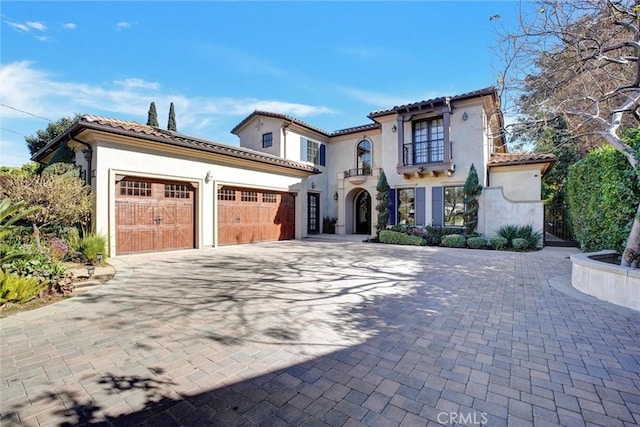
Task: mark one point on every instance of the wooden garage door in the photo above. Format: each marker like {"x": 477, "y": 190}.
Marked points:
{"x": 154, "y": 216}
{"x": 249, "y": 215}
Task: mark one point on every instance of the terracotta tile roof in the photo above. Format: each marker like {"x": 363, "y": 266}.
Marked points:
{"x": 441, "y": 100}
{"x": 355, "y": 129}
{"x": 520, "y": 158}
{"x": 511, "y": 159}
{"x": 138, "y": 130}
{"x": 278, "y": 116}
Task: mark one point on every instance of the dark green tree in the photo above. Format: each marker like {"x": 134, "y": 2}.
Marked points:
{"x": 152, "y": 116}
{"x": 172, "y": 119}
{"x": 53, "y": 129}
{"x": 383, "y": 203}
{"x": 578, "y": 60}
{"x": 472, "y": 190}
{"x": 63, "y": 154}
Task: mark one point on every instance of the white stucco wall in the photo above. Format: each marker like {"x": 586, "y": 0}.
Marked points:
{"x": 521, "y": 183}
{"x": 115, "y": 160}
{"x": 251, "y": 135}
{"x": 497, "y": 210}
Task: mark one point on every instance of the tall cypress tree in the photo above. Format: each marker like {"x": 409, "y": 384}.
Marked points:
{"x": 383, "y": 203}
{"x": 472, "y": 190}
{"x": 172, "y": 119}
{"x": 152, "y": 116}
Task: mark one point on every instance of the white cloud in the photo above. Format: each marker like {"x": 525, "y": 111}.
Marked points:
{"x": 17, "y": 26}
{"x": 36, "y": 25}
{"x": 137, "y": 84}
{"x": 43, "y": 38}
{"x": 70, "y": 26}
{"x": 123, "y": 25}
{"x": 27, "y": 88}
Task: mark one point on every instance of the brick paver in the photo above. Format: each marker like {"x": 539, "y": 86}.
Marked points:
{"x": 320, "y": 333}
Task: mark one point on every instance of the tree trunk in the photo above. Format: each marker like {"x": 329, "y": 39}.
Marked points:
{"x": 631, "y": 254}
{"x": 36, "y": 236}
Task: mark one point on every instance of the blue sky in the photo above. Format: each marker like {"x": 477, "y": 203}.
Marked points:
{"x": 327, "y": 63}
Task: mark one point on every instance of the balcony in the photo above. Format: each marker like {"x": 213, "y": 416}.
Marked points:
{"x": 424, "y": 158}
{"x": 357, "y": 176}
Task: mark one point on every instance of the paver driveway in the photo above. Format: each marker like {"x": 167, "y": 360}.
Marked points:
{"x": 319, "y": 333}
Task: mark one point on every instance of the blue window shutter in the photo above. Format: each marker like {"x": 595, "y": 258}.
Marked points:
{"x": 392, "y": 206}
{"x": 303, "y": 149}
{"x": 420, "y": 206}
{"x": 323, "y": 154}
{"x": 437, "y": 207}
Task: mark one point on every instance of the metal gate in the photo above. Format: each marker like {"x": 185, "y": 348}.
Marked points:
{"x": 557, "y": 226}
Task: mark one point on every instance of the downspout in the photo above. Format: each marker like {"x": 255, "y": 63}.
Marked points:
{"x": 88, "y": 156}
{"x": 285, "y": 130}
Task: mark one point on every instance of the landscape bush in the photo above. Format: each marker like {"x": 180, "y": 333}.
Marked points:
{"x": 477, "y": 242}
{"x": 520, "y": 244}
{"x": 399, "y": 238}
{"x": 19, "y": 289}
{"x": 434, "y": 234}
{"x": 526, "y": 232}
{"x": 92, "y": 245}
{"x": 37, "y": 264}
{"x": 454, "y": 241}
{"x": 603, "y": 193}
{"x": 499, "y": 242}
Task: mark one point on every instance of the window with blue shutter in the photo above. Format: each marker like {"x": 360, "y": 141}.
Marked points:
{"x": 392, "y": 206}
{"x": 323, "y": 155}
{"x": 421, "y": 206}
{"x": 437, "y": 207}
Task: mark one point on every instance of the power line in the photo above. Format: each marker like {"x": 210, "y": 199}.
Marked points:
{"x": 12, "y": 131}
{"x": 25, "y": 112}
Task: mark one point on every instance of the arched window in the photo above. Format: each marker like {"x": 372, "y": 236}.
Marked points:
{"x": 364, "y": 157}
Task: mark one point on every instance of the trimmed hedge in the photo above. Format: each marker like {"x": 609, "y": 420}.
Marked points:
{"x": 499, "y": 242}
{"x": 477, "y": 242}
{"x": 454, "y": 241}
{"x": 603, "y": 193}
{"x": 520, "y": 244}
{"x": 434, "y": 235}
{"x": 398, "y": 238}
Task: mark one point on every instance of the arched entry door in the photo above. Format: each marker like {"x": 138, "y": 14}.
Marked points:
{"x": 363, "y": 213}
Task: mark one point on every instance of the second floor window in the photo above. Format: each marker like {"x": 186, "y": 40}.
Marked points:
{"x": 267, "y": 140}
{"x": 312, "y": 152}
{"x": 364, "y": 157}
{"x": 428, "y": 141}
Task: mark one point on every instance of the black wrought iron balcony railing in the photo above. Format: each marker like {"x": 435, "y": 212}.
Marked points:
{"x": 418, "y": 153}
{"x": 357, "y": 172}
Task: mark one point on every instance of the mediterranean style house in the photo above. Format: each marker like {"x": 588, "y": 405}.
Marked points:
{"x": 161, "y": 190}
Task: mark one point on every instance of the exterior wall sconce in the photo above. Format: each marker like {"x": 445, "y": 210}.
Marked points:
{"x": 335, "y": 196}
{"x": 207, "y": 178}
{"x": 394, "y": 128}
{"x": 313, "y": 185}
{"x": 464, "y": 116}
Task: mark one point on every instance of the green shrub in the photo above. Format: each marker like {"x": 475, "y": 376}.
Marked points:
{"x": 499, "y": 242}
{"x": 397, "y": 238}
{"x": 603, "y": 192}
{"x": 454, "y": 241}
{"x": 509, "y": 232}
{"x": 14, "y": 288}
{"x": 71, "y": 236}
{"x": 477, "y": 242}
{"x": 533, "y": 237}
{"x": 92, "y": 245}
{"x": 329, "y": 225}
{"x": 434, "y": 234}
{"x": 38, "y": 265}
{"x": 520, "y": 244}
